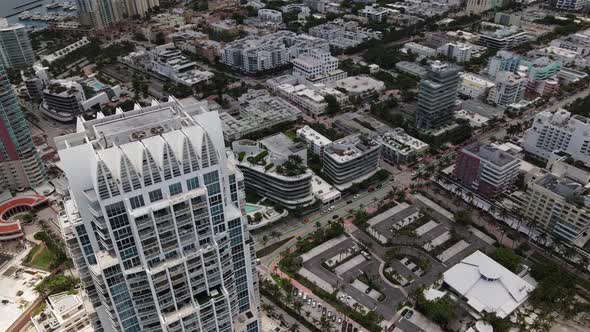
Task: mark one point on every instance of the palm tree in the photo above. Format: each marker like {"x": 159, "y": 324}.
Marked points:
{"x": 297, "y": 305}
{"x": 583, "y": 263}
{"x": 504, "y": 214}
{"x": 268, "y": 308}
{"x": 459, "y": 193}
{"x": 542, "y": 237}
{"x": 276, "y": 234}
{"x": 470, "y": 197}
{"x": 325, "y": 324}
{"x": 294, "y": 327}
{"x": 569, "y": 253}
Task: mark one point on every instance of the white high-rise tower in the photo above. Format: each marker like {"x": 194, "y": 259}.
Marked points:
{"x": 155, "y": 224}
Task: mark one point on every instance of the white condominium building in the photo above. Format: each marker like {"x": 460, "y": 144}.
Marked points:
{"x": 63, "y": 312}
{"x": 344, "y": 34}
{"x": 573, "y": 5}
{"x": 311, "y": 99}
{"x": 275, "y": 167}
{"x": 316, "y": 142}
{"x": 559, "y": 205}
{"x": 460, "y": 52}
{"x": 503, "y": 38}
{"x": 259, "y": 110}
{"x": 168, "y": 61}
{"x": 258, "y": 53}
{"x": 350, "y": 160}
{"x": 314, "y": 63}
{"x": 270, "y": 15}
{"x": 558, "y": 131}
{"x": 503, "y": 61}
{"x": 419, "y": 49}
{"x": 509, "y": 89}
{"x": 154, "y": 222}
{"x": 375, "y": 12}
{"x": 474, "y": 86}
{"x": 399, "y": 147}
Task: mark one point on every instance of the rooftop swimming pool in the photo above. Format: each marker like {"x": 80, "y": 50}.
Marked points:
{"x": 251, "y": 208}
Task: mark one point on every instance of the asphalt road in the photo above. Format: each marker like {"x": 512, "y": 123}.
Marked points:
{"x": 295, "y": 226}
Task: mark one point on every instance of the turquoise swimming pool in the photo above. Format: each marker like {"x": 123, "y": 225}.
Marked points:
{"x": 251, "y": 208}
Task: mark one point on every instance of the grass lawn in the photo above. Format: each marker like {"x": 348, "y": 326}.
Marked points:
{"x": 292, "y": 135}
{"x": 32, "y": 253}
{"x": 43, "y": 260}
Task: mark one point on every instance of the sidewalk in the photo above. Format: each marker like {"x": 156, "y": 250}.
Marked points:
{"x": 310, "y": 294}
{"x": 479, "y": 218}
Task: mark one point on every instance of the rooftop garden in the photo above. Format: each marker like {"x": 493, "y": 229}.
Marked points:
{"x": 57, "y": 88}
{"x": 259, "y": 158}
{"x": 292, "y": 167}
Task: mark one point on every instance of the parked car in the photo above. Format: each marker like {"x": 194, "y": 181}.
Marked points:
{"x": 409, "y": 314}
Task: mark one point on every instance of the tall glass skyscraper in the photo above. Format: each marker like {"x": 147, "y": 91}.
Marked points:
{"x": 155, "y": 224}
{"x": 99, "y": 14}
{"x": 16, "y": 51}
{"x": 20, "y": 165}
{"x": 437, "y": 95}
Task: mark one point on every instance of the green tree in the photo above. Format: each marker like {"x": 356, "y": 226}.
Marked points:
{"x": 508, "y": 258}
{"x": 56, "y": 284}
{"x": 463, "y": 217}
{"x": 441, "y": 311}
{"x": 333, "y": 106}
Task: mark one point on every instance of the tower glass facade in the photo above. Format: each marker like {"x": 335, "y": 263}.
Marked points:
{"x": 16, "y": 51}
{"x": 20, "y": 164}
{"x": 437, "y": 96}
{"x": 155, "y": 223}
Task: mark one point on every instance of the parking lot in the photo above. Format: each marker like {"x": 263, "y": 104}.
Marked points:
{"x": 344, "y": 266}
{"x": 425, "y": 240}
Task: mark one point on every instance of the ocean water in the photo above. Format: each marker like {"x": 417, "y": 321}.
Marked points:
{"x": 7, "y": 7}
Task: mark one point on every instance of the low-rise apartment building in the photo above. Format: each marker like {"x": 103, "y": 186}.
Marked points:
{"x": 63, "y": 312}
{"x": 420, "y": 50}
{"x": 399, "y": 147}
{"x": 503, "y": 38}
{"x": 258, "y": 110}
{"x": 344, "y": 34}
{"x": 360, "y": 86}
{"x": 474, "y": 86}
{"x": 311, "y": 99}
{"x": 316, "y": 142}
{"x": 275, "y": 167}
{"x": 350, "y": 160}
{"x": 168, "y": 61}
